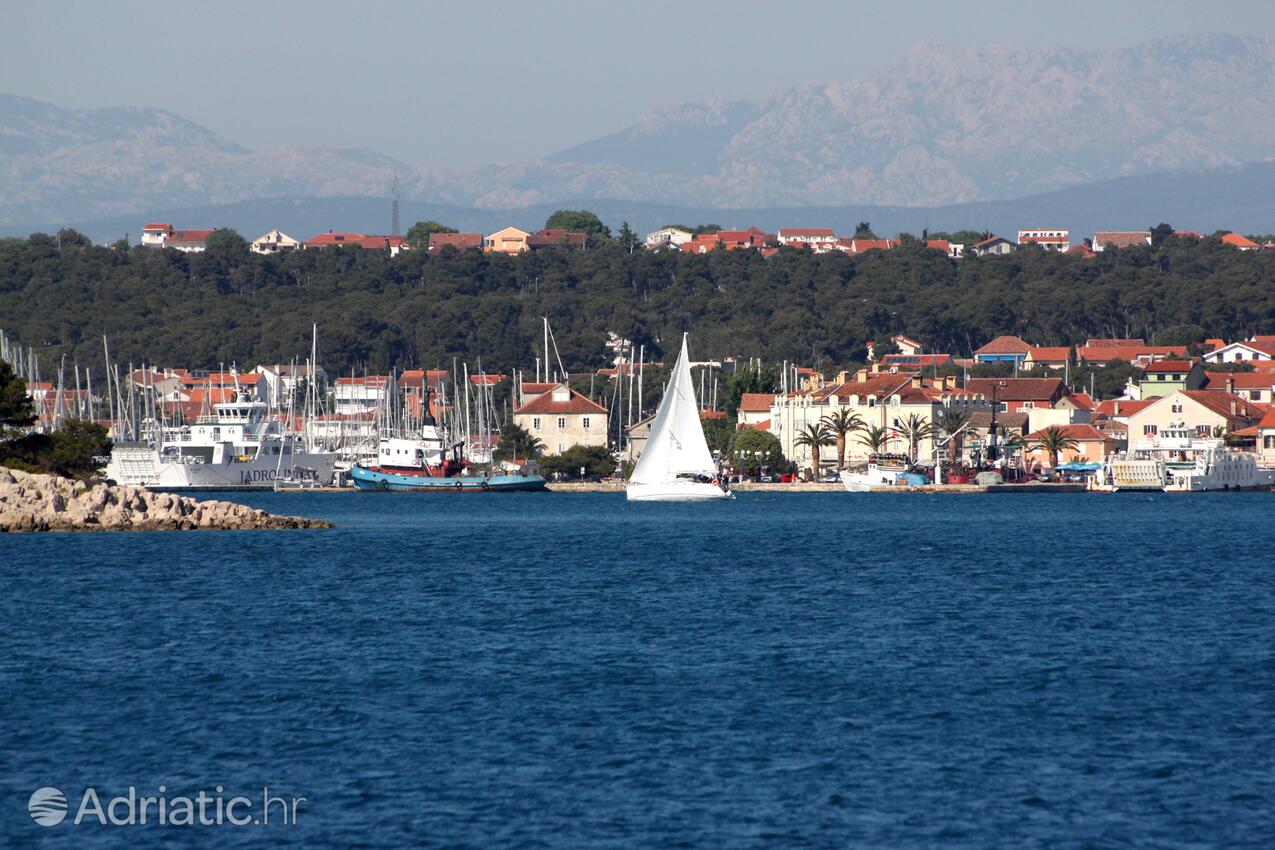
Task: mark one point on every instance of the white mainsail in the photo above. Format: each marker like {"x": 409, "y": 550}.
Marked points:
{"x": 676, "y": 445}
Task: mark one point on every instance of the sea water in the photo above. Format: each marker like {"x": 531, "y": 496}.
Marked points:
{"x": 522, "y": 670}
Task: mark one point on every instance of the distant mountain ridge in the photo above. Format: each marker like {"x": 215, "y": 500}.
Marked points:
{"x": 941, "y": 127}
{"x": 61, "y": 163}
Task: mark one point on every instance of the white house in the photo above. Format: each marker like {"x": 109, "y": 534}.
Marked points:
{"x": 155, "y": 235}
{"x": 816, "y": 238}
{"x": 1257, "y": 348}
{"x": 1049, "y": 238}
{"x": 275, "y": 242}
{"x": 668, "y": 236}
{"x": 283, "y": 378}
{"x": 355, "y": 395}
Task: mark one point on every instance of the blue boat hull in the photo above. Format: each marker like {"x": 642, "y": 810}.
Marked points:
{"x": 372, "y": 479}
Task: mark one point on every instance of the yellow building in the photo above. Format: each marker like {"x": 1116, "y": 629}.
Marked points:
{"x": 561, "y": 418}
{"x": 511, "y": 240}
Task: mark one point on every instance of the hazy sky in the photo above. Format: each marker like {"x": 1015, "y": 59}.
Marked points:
{"x": 457, "y": 85}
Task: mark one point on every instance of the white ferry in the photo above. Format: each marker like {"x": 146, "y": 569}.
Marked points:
{"x": 1179, "y": 460}
{"x": 238, "y": 447}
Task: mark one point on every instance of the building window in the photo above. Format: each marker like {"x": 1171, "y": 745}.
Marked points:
{"x": 562, "y": 422}
{"x": 535, "y": 423}
{"x": 1175, "y": 408}
{"x": 584, "y": 422}
{"x": 1255, "y": 395}
{"x": 1148, "y": 430}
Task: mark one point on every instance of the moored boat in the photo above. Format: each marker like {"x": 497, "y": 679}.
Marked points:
{"x": 424, "y": 465}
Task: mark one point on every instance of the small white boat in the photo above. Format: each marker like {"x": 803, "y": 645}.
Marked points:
{"x": 676, "y": 465}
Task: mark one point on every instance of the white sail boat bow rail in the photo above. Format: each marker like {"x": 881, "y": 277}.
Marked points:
{"x": 676, "y": 465}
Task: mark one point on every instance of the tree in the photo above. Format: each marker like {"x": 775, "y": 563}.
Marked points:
{"x": 579, "y": 221}
{"x": 1181, "y": 335}
{"x": 718, "y": 434}
{"x": 1159, "y": 233}
{"x": 225, "y": 241}
{"x": 121, "y": 244}
{"x": 915, "y": 429}
{"x": 750, "y": 450}
{"x": 418, "y": 234}
{"x": 1054, "y": 440}
{"x": 754, "y": 378}
{"x": 864, "y": 231}
{"x": 814, "y": 437}
{"x": 596, "y": 460}
{"x": 516, "y": 442}
{"x": 628, "y": 239}
{"x": 840, "y": 423}
{"x": 875, "y": 438}
{"x": 71, "y": 238}
{"x": 16, "y": 409}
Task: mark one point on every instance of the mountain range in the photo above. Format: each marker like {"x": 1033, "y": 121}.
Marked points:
{"x": 940, "y": 130}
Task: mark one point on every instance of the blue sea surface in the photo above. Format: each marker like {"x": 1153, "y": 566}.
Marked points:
{"x": 787, "y": 670}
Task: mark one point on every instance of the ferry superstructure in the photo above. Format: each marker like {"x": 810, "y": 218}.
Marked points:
{"x": 236, "y": 447}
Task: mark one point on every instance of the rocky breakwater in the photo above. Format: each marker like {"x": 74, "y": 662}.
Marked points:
{"x": 48, "y": 503}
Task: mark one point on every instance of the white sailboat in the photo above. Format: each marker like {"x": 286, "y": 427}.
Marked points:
{"x": 676, "y": 465}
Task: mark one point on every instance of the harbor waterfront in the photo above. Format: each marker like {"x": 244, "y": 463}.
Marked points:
{"x": 811, "y": 669}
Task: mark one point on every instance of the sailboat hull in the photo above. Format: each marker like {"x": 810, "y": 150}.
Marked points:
{"x": 677, "y": 491}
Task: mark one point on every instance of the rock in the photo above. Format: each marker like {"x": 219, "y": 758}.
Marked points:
{"x": 48, "y": 503}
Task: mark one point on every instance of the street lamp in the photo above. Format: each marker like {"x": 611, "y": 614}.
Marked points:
{"x": 991, "y": 431}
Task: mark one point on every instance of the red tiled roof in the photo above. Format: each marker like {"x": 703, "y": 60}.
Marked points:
{"x": 1107, "y": 343}
{"x": 1169, "y": 366}
{"x": 550, "y": 238}
{"x": 193, "y": 237}
{"x": 756, "y": 402}
{"x": 160, "y": 226}
{"x": 364, "y": 381}
{"x": 1048, "y": 353}
{"x": 1112, "y": 408}
{"x": 1241, "y": 380}
{"x": 1018, "y": 389}
{"x": 577, "y": 403}
{"x": 1081, "y": 431}
{"x": 859, "y": 246}
{"x": 1268, "y": 421}
{"x": 1121, "y": 238}
{"x": 1129, "y": 353}
{"x": 763, "y": 425}
{"x": 1005, "y": 345}
{"x": 918, "y": 361}
{"x": 459, "y": 241}
{"x": 880, "y": 385}
{"x": 991, "y": 240}
{"x": 1082, "y": 401}
{"x": 1220, "y": 402}
{"x": 1237, "y": 241}
{"x": 325, "y": 239}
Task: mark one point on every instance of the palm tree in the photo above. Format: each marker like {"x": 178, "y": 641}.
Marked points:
{"x": 1055, "y": 441}
{"x": 517, "y": 442}
{"x": 950, "y": 424}
{"x": 840, "y": 423}
{"x": 915, "y": 429}
{"x": 875, "y": 437}
{"x": 815, "y": 436}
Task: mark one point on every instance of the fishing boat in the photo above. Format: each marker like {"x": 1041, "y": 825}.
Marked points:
{"x": 236, "y": 447}
{"x": 676, "y": 465}
{"x": 425, "y": 464}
